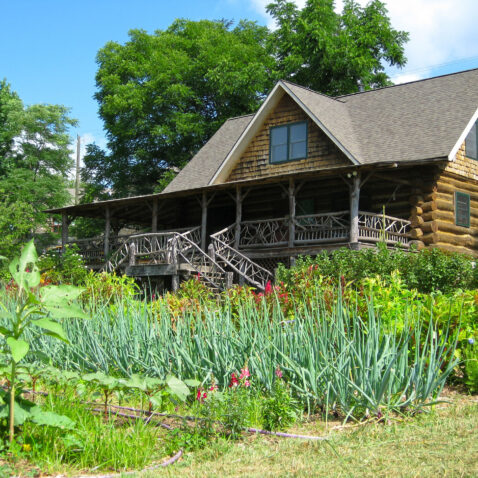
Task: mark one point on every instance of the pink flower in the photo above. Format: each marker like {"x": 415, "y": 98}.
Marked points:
{"x": 244, "y": 373}
{"x": 268, "y": 288}
{"x": 198, "y": 277}
{"x": 213, "y": 388}
{"x": 278, "y": 372}
{"x": 247, "y": 383}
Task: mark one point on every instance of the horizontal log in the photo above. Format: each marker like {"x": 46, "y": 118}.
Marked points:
{"x": 452, "y": 239}
{"x": 416, "y": 233}
{"x": 459, "y": 249}
{"x": 431, "y": 226}
{"x": 445, "y": 188}
{"x": 449, "y": 216}
{"x": 416, "y": 221}
{"x": 453, "y": 228}
{"x": 416, "y": 211}
{"x": 418, "y": 244}
{"x": 429, "y": 206}
{"x": 465, "y": 184}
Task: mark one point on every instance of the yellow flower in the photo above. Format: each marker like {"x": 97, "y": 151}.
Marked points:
{"x": 27, "y": 447}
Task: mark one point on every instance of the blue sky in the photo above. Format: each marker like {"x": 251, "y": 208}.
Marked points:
{"x": 48, "y": 47}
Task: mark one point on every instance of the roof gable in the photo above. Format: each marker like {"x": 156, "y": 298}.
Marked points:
{"x": 267, "y": 107}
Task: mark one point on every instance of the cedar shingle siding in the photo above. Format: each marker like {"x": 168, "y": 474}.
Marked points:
{"x": 321, "y": 152}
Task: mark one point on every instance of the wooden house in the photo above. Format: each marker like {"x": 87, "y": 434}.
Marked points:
{"x": 308, "y": 172}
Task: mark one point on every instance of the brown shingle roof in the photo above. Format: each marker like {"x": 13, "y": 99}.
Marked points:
{"x": 200, "y": 170}
{"x": 409, "y": 122}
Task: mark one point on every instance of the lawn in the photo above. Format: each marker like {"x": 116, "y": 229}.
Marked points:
{"x": 443, "y": 442}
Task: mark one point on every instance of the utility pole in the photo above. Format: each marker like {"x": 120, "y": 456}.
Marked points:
{"x": 77, "y": 179}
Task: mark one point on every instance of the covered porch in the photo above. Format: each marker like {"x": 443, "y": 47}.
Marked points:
{"x": 266, "y": 222}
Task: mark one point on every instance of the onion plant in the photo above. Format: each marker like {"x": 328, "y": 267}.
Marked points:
{"x": 333, "y": 360}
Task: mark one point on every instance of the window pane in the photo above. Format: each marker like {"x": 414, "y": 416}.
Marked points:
{"x": 279, "y": 153}
{"x": 298, "y": 150}
{"x": 279, "y": 136}
{"x": 462, "y": 209}
{"x": 470, "y": 144}
{"x": 298, "y": 132}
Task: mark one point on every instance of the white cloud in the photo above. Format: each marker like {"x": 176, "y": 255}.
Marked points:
{"x": 441, "y": 31}
{"x": 406, "y": 78}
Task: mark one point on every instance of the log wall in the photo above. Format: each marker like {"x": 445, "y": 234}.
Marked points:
{"x": 322, "y": 153}
{"x": 433, "y": 211}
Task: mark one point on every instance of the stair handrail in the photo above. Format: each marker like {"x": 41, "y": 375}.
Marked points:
{"x": 207, "y": 260}
{"x": 252, "y": 272}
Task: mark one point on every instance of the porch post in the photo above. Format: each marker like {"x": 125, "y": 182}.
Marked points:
{"x": 237, "y": 238}
{"x": 354, "y": 209}
{"x": 107, "y": 231}
{"x": 154, "y": 222}
{"x": 203, "y": 220}
{"x": 64, "y": 231}
{"x": 291, "y": 213}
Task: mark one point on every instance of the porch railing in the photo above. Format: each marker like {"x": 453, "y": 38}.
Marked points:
{"x": 325, "y": 228}
{"x": 382, "y": 228}
{"x": 266, "y": 232}
{"x": 317, "y": 228}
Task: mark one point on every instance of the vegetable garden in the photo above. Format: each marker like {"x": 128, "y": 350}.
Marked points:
{"x": 96, "y": 377}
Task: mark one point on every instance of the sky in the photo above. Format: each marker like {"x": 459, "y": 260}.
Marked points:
{"x": 48, "y": 47}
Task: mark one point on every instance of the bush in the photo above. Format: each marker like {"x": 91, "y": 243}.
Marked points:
{"x": 428, "y": 270}
{"x": 67, "y": 268}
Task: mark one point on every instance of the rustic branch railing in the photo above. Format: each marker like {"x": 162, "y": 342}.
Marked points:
{"x": 317, "y": 228}
{"x": 382, "y": 228}
{"x": 266, "y": 232}
{"x": 253, "y": 273}
{"x": 150, "y": 248}
{"x": 204, "y": 265}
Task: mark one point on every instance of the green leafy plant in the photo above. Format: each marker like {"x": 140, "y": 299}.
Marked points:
{"x": 43, "y": 312}
{"x": 279, "y": 410}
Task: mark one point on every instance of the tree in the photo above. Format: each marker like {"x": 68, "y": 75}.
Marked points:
{"x": 335, "y": 53}
{"x": 34, "y": 164}
{"x": 161, "y": 96}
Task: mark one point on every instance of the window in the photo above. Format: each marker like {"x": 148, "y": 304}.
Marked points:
{"x": 288, "y": 142}
{"x": 462, "y": 209}
{"x": 471, "y": 143}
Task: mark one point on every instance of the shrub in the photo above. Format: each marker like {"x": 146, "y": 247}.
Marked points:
{"x": 427, "y": 270}
{"x": 67, "y": 268}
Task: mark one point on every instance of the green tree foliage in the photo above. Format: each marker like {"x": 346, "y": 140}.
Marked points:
{"x": 34, "y": 163}
{"x": 163, "y": 95}
{"x": 335, "y": 53}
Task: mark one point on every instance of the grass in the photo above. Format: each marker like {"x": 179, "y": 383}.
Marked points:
{"x": 441, "y": 443}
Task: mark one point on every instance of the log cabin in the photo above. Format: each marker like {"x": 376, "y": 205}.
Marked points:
{"x": 306, "y": 173}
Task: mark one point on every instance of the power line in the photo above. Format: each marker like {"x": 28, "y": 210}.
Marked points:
{"x": 435, "y": 66}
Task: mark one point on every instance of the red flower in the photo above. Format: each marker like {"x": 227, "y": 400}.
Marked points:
{"x": 234, "y": 382}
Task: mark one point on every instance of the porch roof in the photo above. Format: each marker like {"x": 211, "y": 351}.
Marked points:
{"x": 96, "y": 209}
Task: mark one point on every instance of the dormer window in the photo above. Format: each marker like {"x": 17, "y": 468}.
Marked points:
{"x": 471, "y": 143}
{"x": 288, "y": 142}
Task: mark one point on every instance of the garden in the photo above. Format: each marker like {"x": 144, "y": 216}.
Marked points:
{"x": 99, "y": 376}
